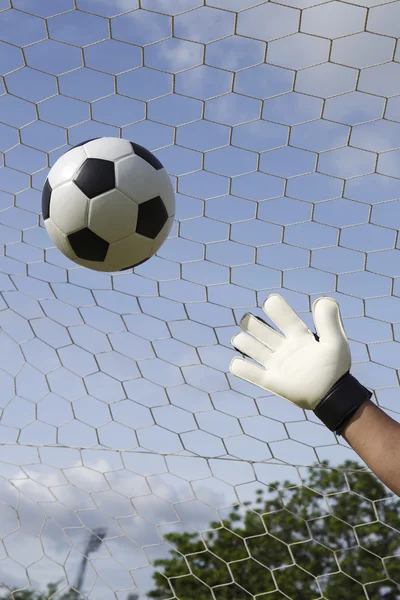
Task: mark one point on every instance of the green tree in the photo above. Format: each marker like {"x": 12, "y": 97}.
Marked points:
{"x": 338, "y": 527}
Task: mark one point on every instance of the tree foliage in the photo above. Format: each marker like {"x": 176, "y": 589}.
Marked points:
{"x": 342, "y": 528}
{"x": 52, "y": 593}
{"x": 335, "y": 536}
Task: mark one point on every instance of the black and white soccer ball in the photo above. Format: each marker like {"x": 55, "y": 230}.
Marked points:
{"x": 108, "y": 204}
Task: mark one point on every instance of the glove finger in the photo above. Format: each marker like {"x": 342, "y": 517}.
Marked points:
{"x": 283, "y": 315}
{"x": 251, "y": 348}
{"x": 328, "y": 322}
{"x": 247, "y": 371}
{"x": 261, "y": 331}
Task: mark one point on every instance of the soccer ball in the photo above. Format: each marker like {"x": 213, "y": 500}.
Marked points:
{"x": 108, "y": 204}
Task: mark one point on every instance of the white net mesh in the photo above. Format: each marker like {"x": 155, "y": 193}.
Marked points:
{"x": 133, "y": 466}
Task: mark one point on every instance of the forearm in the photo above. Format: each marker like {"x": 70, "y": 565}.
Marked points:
{"x": 376, "y": 438}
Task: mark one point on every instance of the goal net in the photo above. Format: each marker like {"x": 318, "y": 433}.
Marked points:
{"x": 133, "y": 466}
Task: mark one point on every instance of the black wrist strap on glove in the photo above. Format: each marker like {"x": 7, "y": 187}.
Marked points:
{"x": 341, "y": 402}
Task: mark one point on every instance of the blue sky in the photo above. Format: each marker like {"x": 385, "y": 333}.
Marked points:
{"x": 286, "y": 171}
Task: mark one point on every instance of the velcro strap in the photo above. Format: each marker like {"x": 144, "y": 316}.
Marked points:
{"x": 341, "y": 402}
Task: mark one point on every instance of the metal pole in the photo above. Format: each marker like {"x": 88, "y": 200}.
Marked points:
{"x": 93, "y": 544}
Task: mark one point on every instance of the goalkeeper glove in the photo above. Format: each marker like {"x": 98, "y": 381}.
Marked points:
{"x": 309, "y": 370}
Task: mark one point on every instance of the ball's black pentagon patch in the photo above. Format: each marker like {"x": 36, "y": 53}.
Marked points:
{"x": 147, "y": 156}
{"x": 95, "y": 176}
{"x": 46, "y": 195}
{"x": 135, "y": 265}
{"x": 87, "y": 245}
{"x": 82, "y": 143}
{"x": 152, "y": 216}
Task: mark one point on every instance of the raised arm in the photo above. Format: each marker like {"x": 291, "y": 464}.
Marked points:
{"x": 312, "y": 371}
{"x": 376, "y": 438}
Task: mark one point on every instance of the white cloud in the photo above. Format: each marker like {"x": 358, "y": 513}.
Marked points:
{"x": 180, "y": 54}
{"x": 70, "y": 520}
{"x": 170, "y": 8}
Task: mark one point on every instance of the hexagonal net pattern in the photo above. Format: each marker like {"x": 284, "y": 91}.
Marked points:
{"x": 132, "y": 464}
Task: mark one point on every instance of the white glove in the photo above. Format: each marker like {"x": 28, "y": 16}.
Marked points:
{"x": 305, "y": 369}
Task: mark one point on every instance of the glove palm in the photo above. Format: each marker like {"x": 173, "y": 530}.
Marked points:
{"x": 295, "y": 366}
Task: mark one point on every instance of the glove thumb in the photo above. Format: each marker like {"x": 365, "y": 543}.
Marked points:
{"x": 328, "y": 322}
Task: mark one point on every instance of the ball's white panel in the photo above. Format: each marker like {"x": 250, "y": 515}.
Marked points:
{"x": 163, "y": 235}
{"x": 131, "y": 174}
{"x": 129, "y": 251}
{"x": 59, "y": 239}
{"x": 112, "y": 215}
{"x": 108, "y": 148}
{"x": 69, "y": 208}
{"x": 105, "y": 266}
{"x": 65, "y": 167}
{"x": 155, "y": 184}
